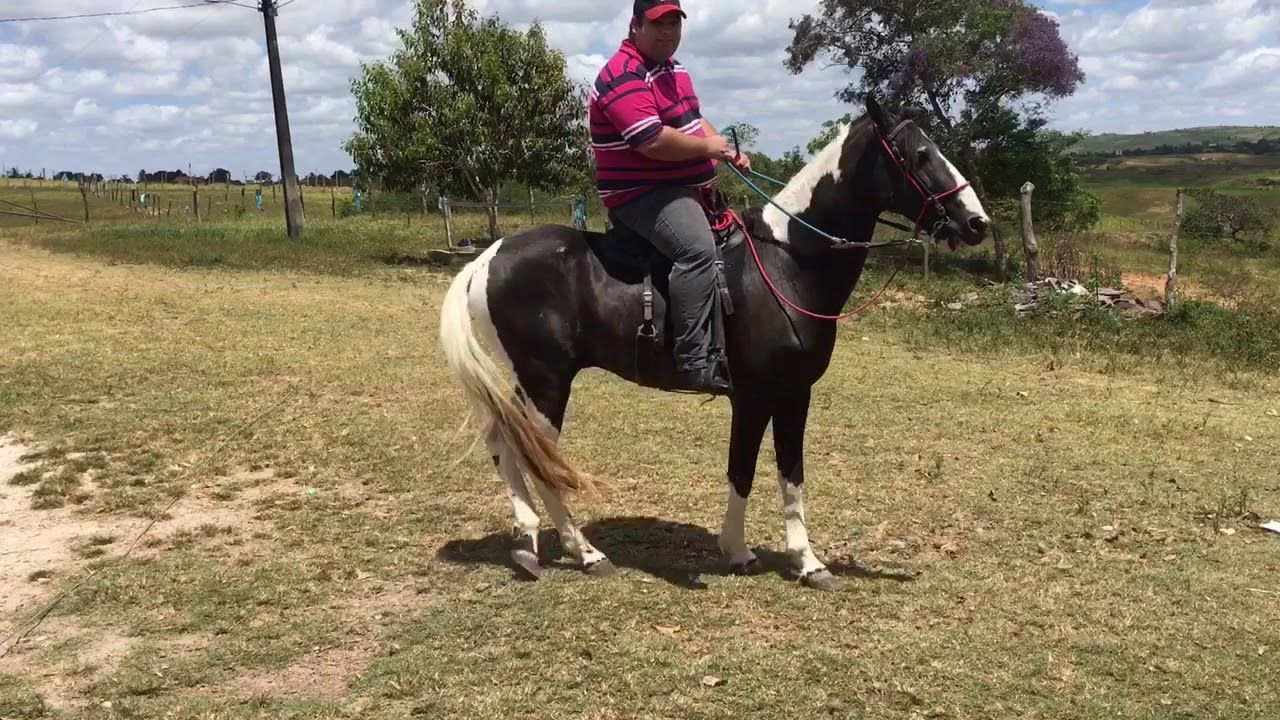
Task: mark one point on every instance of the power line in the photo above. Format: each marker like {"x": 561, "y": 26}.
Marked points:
{"x": 106, "y": 14}
{"x": 96, "y": 38}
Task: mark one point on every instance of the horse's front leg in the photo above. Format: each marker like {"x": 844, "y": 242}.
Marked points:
{"x": 750, "y": 416}
{"x": 789, "y": 419}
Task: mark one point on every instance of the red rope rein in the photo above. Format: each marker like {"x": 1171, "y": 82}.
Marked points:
{"x": 731, "y": 218}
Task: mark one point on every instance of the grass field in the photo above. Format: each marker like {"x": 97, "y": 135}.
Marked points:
{"x": 1033, "y": 517}
{"x": 1223, "y": 135}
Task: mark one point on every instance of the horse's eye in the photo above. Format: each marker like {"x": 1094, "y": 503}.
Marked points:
{"x": 922, "y": 156}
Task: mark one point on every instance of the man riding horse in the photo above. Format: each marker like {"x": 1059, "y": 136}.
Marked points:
{"x": 654, "y": 153}
{"x": 536, "y": 308}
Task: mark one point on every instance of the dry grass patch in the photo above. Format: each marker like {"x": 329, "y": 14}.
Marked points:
{"x": 1016, "y": 540}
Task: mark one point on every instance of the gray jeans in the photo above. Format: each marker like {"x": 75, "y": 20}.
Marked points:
{"x": 674, "y": 221}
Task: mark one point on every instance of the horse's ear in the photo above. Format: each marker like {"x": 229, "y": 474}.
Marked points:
{"x": 878, "y": 114}
{"x": 916, "y": 114}
{"x": 919, "y": 116}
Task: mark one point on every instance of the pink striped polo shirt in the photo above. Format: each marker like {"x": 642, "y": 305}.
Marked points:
{"x": 632, "y": 100}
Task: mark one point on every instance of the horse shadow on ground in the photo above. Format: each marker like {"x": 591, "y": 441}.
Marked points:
{"x": 678, "y": 553}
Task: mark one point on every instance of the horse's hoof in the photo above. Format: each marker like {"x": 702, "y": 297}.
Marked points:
{"x": 750, "y": 567}
{"x": 601, "y": 569}
{"x": 820, "y": 580}
{"x": 526, "y": 564}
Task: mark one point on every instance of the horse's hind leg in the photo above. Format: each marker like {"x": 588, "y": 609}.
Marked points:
{"x": 524, "y": 553}
{"x": 548, "y": 403}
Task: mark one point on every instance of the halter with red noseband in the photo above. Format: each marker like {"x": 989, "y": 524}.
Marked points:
{"x": 930, "y": 199}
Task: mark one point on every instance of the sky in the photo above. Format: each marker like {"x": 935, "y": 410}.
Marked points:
{"x": 165, "y": 90}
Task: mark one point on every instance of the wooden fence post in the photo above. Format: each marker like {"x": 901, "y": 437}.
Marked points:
{"x": 1029, "y": 235}
{"x": 35, "y": 210}
{"x": 1171, "y": 281}
{"x": 533, "y": 219}
{"x": 195, "y": 203}
{"x": 84, "y": 198}
{"x": 333, "y": 202}
{"x": 448, "y": 222}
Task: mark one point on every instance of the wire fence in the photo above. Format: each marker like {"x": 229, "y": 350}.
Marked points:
{"x": 34, "y": 201}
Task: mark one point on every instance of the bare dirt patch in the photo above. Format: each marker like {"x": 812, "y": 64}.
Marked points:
{"x": 1144, "y": 286}
{"x": 37, "y": 544}
{"x": 43, "y": 547}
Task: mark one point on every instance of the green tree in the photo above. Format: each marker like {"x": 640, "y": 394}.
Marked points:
{"x": 1217, "y": 216}
{"x": 988, "y": 70}
{"x": 468, "y": 104}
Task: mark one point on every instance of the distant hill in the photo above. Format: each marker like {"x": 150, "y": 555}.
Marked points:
{"x": 1197, "y": 137}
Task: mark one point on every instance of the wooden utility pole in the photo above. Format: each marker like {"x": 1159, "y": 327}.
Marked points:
{"x": 292, "y": 198}
{"x": 1029, "y": 243}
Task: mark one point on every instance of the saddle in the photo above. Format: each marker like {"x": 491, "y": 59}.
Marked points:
{"x": 631, "y": 258}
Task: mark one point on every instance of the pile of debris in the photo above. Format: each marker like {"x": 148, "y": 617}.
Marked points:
{"x": 1120, "y": 300}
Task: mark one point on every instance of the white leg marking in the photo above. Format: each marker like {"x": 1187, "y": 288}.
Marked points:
{"x": 733, "y": 534}
{"x": 527, "y": 520}
{"x": 798, "y": 194}
{"x": 575, "y": 543}
{"x": 797, "y": 534}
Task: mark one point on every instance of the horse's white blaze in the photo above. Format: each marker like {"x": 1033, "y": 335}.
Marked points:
{"x": 797, "y": 196}
{"x": 733, "y": 534}
{"x": 798, "y": 548}
{"x": 968, "y": 198}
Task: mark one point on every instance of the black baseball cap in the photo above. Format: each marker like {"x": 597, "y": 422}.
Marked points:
{"x": 654, "y": 9}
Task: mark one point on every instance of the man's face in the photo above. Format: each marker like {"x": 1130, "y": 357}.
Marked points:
{"x": 658, "y": 39}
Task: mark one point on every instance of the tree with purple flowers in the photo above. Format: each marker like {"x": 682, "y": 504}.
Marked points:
{"x": 988, "y": 69}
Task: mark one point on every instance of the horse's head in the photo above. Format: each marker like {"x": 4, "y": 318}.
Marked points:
{"x": 921, "y": 182}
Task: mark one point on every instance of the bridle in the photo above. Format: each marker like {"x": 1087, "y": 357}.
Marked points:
{"x": 729, "y": 219}
{"x": 929, "y": 198}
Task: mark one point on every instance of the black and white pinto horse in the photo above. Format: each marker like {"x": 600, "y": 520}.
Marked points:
{"x": 547, "y": 305}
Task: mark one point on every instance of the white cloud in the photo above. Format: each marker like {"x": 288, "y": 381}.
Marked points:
{"x": 86, "y": 108}
{"x": 19, "y": 63}
{"x": 146, "y": 117}
{"x": 1247, "y": 72}
{"x": 15, "y": 97}
{"x": 17, "y": 129}
{"x": 190, "y": 86}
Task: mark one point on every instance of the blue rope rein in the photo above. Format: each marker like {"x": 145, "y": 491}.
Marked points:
{"x": 836, "y": 240}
